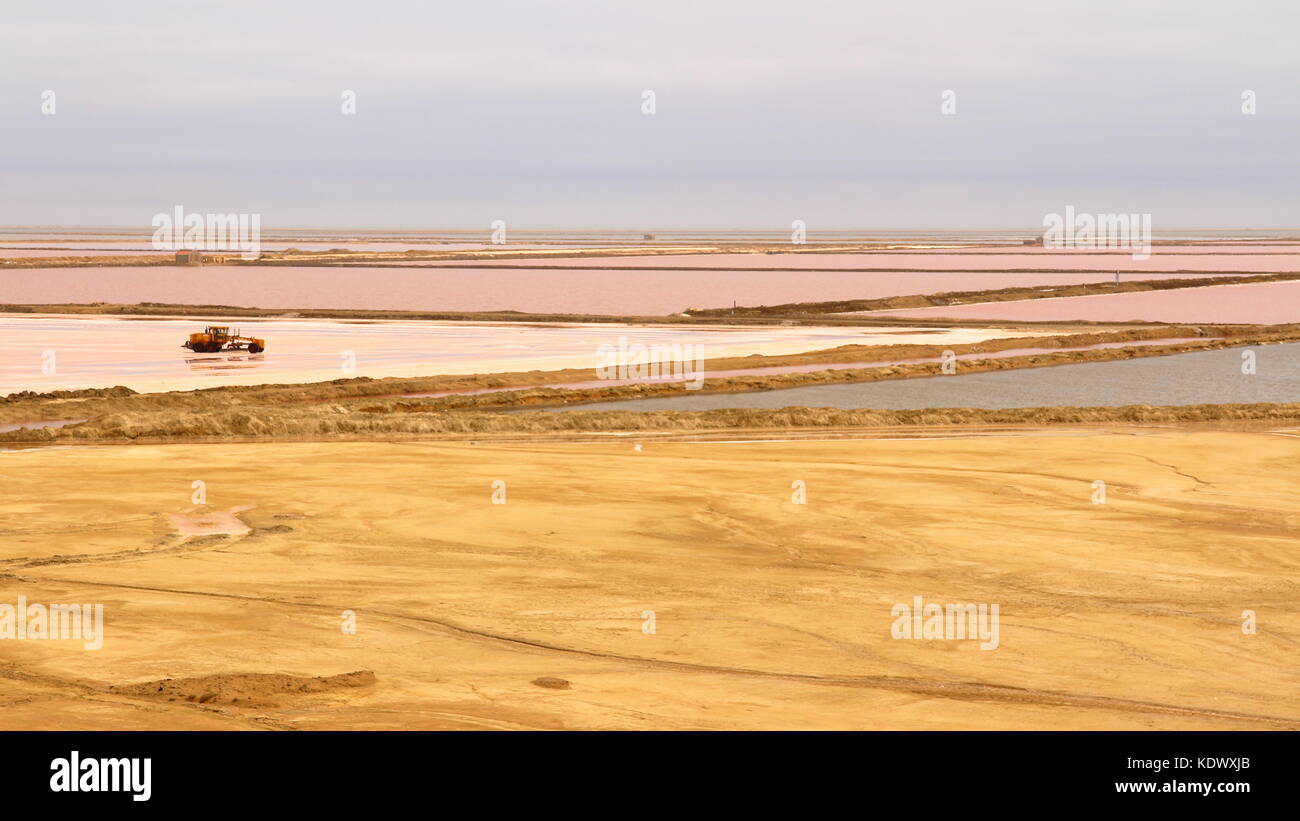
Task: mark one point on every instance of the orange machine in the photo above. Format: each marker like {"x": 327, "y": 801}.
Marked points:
{"x": 218, "y": 338}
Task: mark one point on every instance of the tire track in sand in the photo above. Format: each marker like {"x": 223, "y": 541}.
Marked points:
{"x": 935, "y": 688}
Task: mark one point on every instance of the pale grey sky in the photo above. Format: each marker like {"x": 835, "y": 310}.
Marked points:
{"x": 766, "y": 112}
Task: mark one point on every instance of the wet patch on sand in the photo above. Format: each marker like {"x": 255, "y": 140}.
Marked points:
{"x": 552, "y": 683}
{"x": 244, "y": 689}
{"x": 211, "y": 523}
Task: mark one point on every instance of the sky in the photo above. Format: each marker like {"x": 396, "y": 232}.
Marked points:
{"x": 764, "y": 113}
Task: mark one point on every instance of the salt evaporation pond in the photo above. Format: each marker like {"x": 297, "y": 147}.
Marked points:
{"x": 1203, "y": 377}
{"x": 1262, "y": 303}
{"x": 98, "y": 352}
{"x": 577, "y": 291}
{"x": 1277, "y": 261}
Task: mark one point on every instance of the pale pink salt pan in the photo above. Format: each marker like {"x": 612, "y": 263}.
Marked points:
{"x": 585, "y": 291}
{"x": 1267, "y": 303}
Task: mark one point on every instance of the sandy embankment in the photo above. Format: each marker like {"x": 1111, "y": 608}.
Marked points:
{"x": 767, "y": 614}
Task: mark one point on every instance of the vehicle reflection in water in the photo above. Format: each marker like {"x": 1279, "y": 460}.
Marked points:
{"x": 213, "y": 364}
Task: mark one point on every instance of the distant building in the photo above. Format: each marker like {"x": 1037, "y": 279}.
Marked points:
{"x": 189, "y": 257}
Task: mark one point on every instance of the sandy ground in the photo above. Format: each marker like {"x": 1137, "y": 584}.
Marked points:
{"x": 768, "y": 614}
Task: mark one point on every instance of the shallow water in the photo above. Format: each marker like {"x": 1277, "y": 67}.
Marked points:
{"x": 577, "y": 291}
{"x": 1205, "y": 377}
{"x": 25, "y": 253}
{"x": 1264, "y": 303}
{"x": 146, "y": 355}
{"x": 1273, "y": 260}
{"x": 104, "y": 247}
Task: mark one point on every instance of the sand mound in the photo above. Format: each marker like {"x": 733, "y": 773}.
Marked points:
{"x": 243, "y": 689}
{"x": 551, "y": 683}
{"x": 274, "y": 529}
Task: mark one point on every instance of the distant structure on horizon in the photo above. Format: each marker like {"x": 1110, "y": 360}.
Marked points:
{"x": 188, "y": 257}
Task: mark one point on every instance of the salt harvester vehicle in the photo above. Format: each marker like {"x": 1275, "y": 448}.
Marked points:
{"x": 219, "y": 338}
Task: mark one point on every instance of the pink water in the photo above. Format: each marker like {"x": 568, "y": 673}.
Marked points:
{"x": 1267, "y": 303}
{"x": 44, "y": 353}
{"x": 585, "y": 291}
{"x": 100, "y": 249}
{"x": 1240, "y": 248}
{"x": 19, "y": 253}
{"x": 1237, "y": 261}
